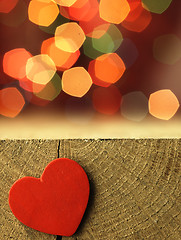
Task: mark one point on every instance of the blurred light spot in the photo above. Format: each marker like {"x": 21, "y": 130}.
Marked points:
{"x": 65, "y": 3}
{"x": 52, "y": 27}
{"x": 109, "y": 68}
{"x": 89, "y": 50}
{"x": 128, "y": 52}
{"x": 11, "y": 102}
{"x": 92, "y": 10}
{"x": 33, "y": 99}
{"x": 114, "y": 11}
{"x": 63, "y": 60}
{"x": 30, "y": 86}
{"x": 51, "y": 90}
{"x": 76, "y": 81}
{"x": 167, "y": 49}
{"x": 69, "y": 37}
{"x": 99, "y": 31}
{"x": 156, "y": 6}
{"x": 16, "y": 16}
{"x": 95, "y": 80}
{"x": 109, "y": 42}
{"x": 106, "y": 100}
{"x": 96, "y": 26}
{"x": 40, "y": 69}
{"x": 135, "y": 10}
{"x": 14, "y": 62}
{"x": 138, "y": 20}
{"x": 77, "y": 11}
{"x": 94, "y": 31}
{"x": 7, "y": 6}
{"x": 79, "y": 110}
{"x": 134, "y": 106}
{"x": 163, "y": 104}
{"x": 42, "y": 13}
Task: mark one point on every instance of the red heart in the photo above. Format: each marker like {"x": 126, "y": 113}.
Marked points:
{"x": 54, "y": 203}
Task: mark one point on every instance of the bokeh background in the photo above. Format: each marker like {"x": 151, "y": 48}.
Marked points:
{"x": 144, "y": 47}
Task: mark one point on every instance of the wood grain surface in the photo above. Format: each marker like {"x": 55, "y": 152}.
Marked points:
{"x": 135, "y": 186}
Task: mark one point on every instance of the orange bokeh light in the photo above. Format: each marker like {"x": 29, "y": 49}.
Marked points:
{"x": 135, "y": 10}
{"x": 11, "y": 102}
{"x": 114, "y": 11}
{"x": 63, "y": 60}
{"x": 109, "y": 68}
{"x": 14, "y": 63}
{"x": 92, "y": 10}
{"x": 76, "y": 81}
{"x": 7, "y": 5}
{"x": 138, "y": 20}
{"x": 95, "y": 80}
{"x": 81, "y": 10}
{"x": 42, "y": 13}
{"x": 163, "y": 104}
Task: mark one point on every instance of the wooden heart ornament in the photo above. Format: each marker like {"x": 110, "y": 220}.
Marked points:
{"x": 54, "y": 203}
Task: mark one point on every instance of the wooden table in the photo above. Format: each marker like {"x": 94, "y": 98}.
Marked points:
{"x": 135, "y": 186}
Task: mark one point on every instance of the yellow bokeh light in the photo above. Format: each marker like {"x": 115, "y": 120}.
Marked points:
{"x": 42, "y": 12}
{"x": 163, "y": 104}
{"x": 65, "y": 3}
{"x": 40, "y": 69}
{"x": 114, "y": 11}
{"x": 76, "y": 81}
{"x": 69, "y": 37}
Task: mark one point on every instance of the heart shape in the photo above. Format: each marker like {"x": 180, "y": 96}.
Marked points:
{"x": 54, "y": 203}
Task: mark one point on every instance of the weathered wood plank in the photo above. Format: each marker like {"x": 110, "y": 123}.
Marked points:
{"x": 135, "y": 186}
{"x": 19, "y": 159}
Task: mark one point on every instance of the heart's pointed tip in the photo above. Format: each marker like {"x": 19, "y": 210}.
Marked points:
{"x": 54, "y": 203}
